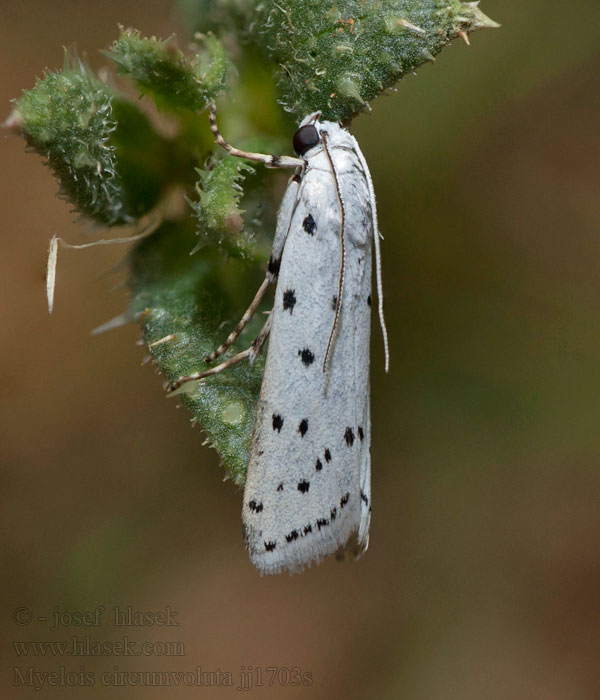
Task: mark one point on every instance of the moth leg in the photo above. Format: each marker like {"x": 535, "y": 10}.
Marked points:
{"x": 250, "y": 354}
{"x": 233, "y": 336}
{"x": 213, "y": 370}
{"x": 274, "y": 161}
{"x": 259, "y": 341}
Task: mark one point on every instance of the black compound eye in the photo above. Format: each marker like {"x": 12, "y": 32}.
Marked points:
{"x": 305, "y": 138}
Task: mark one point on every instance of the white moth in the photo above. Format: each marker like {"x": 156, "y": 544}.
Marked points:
{"x": 308, "y": 490}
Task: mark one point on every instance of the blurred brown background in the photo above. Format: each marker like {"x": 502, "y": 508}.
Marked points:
{"x": 483, "y": 575}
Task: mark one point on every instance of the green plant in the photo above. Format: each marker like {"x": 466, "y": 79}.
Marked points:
{"x": 115, "y": 167}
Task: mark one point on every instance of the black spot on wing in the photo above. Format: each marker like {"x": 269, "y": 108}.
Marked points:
{"x": 270, "y": 546}
{"x": 280, "y": 487}
{"x": 344, "y": 499}
{"x": 292, "y": 536}
{"x": 306, "y": 356}
{"x": 334, "y": 303}
{"x": 333, "y": 513}
{"x": 349, "y": 436}
{"x": 364, "y": 498}
{"x": 255, "y": 507}
{"x": 277, "y": 422}
{"x": 303, "y": 427}
{"x": 274, "y": 264}
{"x": 361, "y": 433}
{"x": 307, "y": 529}
{"x": 289, "y": 300}
{"x": 309, "y": 224}
{"x": 369, "y": 300}
{"x": 319, "y": 465}
{"x": 327, "y": 455}
{"x": 303, "y": 486}
{"x": 322, "y": 522}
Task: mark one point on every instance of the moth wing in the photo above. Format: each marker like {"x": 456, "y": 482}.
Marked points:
{"x": 284, "y": 220}
{"x": 309, "y": 464}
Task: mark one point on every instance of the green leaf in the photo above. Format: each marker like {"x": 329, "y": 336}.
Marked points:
{"x": 188, "y": 296}
{"x": 337, "y": 57}
{"x": 146, "y": 162}
{"x": 217, "y": 208}
{"x": 68, "y": 118}
{"x": 161, "y": 70}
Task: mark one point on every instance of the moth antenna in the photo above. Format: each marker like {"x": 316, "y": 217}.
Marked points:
{"x": 376, "y": 236}
{"x": 338, "y": 305}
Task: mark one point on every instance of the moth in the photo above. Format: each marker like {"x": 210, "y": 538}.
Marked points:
{"x": 308, "y": 488}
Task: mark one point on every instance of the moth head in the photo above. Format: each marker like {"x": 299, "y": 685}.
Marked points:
{"x": 307, "y": 135}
